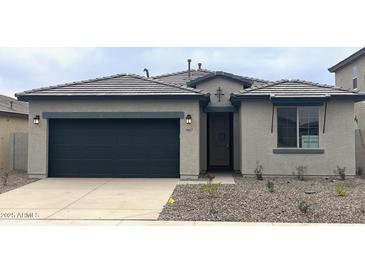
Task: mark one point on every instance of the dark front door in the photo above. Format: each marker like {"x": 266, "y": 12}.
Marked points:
{"x": 219, "y": 140}
{"x": 114, "y": 148}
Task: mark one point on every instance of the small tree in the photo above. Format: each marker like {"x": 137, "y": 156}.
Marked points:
{"x": 300, "y": 172}
{"x": 303, "y": 207}
{"x": 270, "y": 186}
{"x": 258, "y": 171}
{"x": 341, "y": 172}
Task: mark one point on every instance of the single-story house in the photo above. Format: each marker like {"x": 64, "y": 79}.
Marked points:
{"x": 185, "y": 123}
{"x": 13, "y": 119}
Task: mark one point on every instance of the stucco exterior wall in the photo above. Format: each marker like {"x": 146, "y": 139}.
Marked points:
{"x": 344, "y": 75}
{"x": 344, "y": 79}
{"x": 258, "y": 142}
{"x": 8, "y": 126}
{"x": 189, "y": 134}
{"x": 227, "y": 86}
{"x": 203, "y": 141}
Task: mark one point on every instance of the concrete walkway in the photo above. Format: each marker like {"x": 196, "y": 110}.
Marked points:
{"x": 150, "y": 223}
{"x": 224, "y": 178}
{"x": 85, "y": 199}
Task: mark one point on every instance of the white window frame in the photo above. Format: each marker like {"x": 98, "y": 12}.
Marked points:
{"x": 354, "y": 75}
{"x": 297, "y": 146}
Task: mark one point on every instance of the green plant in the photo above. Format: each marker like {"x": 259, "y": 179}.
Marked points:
{"x": 303, "y": 207}
{"x": 341, "y": 191}
{"x": 258, "y": 171}
{"x": 270, "y": 186}
{"x": 210, "y": 189}
{"x": 300, "y": 172}
{"x": 341, "y": 171}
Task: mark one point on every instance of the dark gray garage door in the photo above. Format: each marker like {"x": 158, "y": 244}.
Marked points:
{"x": 114, "y": 148}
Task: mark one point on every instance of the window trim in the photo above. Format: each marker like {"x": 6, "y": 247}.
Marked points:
{"x": 297, "y": 148}
{"x": 354, "y": 75}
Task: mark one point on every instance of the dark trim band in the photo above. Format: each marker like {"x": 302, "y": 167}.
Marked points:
{"x": 298, "y": 151}
{"x": 113, "y": 115}
{"x": 220, "y": 109}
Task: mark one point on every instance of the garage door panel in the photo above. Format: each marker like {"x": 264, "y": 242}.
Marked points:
{"x": 83, "y": 151}
{"x": 114, "y": 148}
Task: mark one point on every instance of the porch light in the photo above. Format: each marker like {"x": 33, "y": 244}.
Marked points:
{"x": 188, "y": 119}
{"x": 36, "y": 120}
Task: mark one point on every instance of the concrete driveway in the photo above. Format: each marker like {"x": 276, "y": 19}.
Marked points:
{"x": 81, "y": 199}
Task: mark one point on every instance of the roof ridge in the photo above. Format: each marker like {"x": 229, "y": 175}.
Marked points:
{"x": 264, "y": 86}
{"x": 180, "y": 72}
{"x": 164, "y": 83}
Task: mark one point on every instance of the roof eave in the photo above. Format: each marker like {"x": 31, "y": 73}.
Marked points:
{"x": 33, "y": 97}
{"x": 324, "y": 97}
{"x": 347, "y": 60}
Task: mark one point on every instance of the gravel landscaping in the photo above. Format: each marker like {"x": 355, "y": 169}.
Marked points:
{"x": 13, "y": 179}
{"x": 249, "y": 200}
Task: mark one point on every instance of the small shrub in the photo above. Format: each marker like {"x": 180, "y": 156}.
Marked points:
{"x": 341, "y": 191}
{"x": 4, "y": 176}
{"x": 258, "y": 171}
{"x": 362, "y": 208}
{"x": 341, "y": 171}
{"x": 210, "y": 189}
{"x": 300, "y": 172}
{"x": 303, "y": 207}
{"x": 210, "y": 178}
{"x": 359, "y": 171}
{"x": 270, "y": 186}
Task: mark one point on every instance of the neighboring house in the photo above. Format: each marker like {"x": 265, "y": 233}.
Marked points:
{"x": 13, "y": 119}
{"x": 183, "y": 124}
{"x": 350, "y": 74}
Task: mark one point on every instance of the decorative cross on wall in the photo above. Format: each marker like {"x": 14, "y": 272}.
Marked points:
{"x": 219, "y": 94}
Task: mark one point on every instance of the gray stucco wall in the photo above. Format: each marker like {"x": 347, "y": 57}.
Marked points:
{"x": 189, "y": 134}
{"x": 258, "y": 142}
{"x": 203, "y": 141}
{"x": 20, "y": 151}
{"x": 344, "y": 79}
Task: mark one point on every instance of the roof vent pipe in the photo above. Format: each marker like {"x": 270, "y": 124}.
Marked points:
{"x": 199, "y": 66}
{"x": 11, "y": 104}
{"x": 189, "y": 71}
{"x": 147, "y": 73}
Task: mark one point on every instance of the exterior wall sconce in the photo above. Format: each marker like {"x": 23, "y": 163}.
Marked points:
{"x": 188, "y": 119}
{"x": 36, "y": 120}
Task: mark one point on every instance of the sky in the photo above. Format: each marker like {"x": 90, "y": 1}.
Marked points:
{"x": 27, "y": 68}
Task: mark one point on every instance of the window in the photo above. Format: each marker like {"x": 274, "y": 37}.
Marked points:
{"x": 354, "y": 77}
{"x": 298, "y": 127}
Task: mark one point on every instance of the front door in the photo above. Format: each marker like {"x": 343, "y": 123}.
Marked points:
{"x": 219, "y": 140}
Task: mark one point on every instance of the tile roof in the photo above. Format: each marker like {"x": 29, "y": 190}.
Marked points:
{"x": 181, "y": 77}
{"x": 120, "y": 84}
{"x": 347, "y": 60}
{"x": 16, "y": 107}
{"x": 297, "y": 88}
